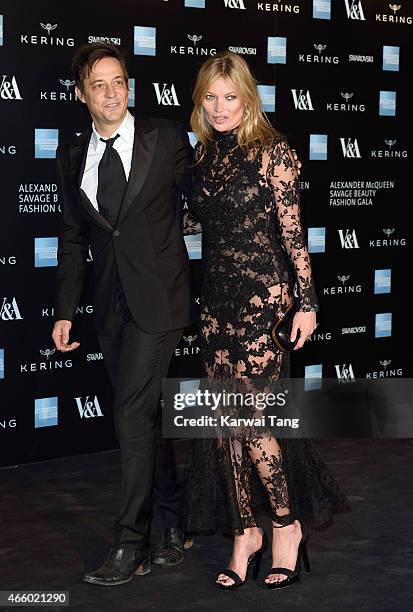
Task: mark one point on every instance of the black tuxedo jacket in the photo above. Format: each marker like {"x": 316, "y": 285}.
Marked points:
{"x": 146, "y": 244}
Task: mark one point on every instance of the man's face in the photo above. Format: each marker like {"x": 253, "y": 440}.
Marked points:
{"x": 105, "y": 92}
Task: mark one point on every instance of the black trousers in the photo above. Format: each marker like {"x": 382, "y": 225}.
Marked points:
{"x": 136, "y": 362}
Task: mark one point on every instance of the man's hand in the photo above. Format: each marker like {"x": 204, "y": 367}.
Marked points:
{"x": 297, "y": 162}
{"x": 60, "y": 336}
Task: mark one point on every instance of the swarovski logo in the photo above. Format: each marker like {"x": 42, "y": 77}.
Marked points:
{"x": 345, "y": 373}
{"x": 302, "y": 100}
{"x": 234, "y": 4}
{"x": 9, "y": 310}
{"x": 350, "y": 148}
{"x": 354, "y": 9}
{"x": 190, "y": 339}
{"x": 166, "y": 95}
{"x": 89, "y": 408}
{"x": 9, "y": 89}
{"x": 348, "y": 239}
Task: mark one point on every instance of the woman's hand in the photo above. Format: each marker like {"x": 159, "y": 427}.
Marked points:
{"x": 297, "y": 162}
{"x": 306, "y": 323}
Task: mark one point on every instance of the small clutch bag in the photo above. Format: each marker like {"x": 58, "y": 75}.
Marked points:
{"x": 281, "y": 331}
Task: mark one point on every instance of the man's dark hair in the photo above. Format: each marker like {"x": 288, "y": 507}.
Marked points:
{"x": 87, "y": 56}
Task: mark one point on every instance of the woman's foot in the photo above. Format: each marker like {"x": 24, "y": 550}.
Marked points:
{"x": 285, "y": 542}
{"x": 244, "y": 546}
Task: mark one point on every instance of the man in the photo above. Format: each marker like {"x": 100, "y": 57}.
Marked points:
{"x": 119, "y": 181}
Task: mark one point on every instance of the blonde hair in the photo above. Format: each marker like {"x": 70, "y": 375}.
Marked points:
{"x": 255, "y": 126}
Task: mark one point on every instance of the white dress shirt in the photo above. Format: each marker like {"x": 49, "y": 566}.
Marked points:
{"x": 123, "y": 145}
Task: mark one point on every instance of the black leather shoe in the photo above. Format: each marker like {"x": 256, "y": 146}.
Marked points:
{"x": 120, "y": 567}
{"x": 171, "y": 551}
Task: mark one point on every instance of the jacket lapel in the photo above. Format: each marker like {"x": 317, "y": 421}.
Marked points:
{"x": 78, "y": 155}
{"x": 144, "y": 145}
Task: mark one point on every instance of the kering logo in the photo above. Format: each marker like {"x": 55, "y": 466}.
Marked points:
{"x": 312, "y": 58}
{"x": 348, "y": 239}
{"x": 194, "y": 49}
{"x": 345, "y": 373}
{"x": 80, "y": 310}
{"x": 9, "y": 89}
{"x": 8, "y": 423}
{"x": 277, "y": 6}
{"x": 302, "y": 101}
{"x": 384, "y": 372}
{"x": 389, "y": 153}
{"x": 48, "y": 39}
{"x": 8, "y": 150}
{"x": 88, "y": 409}
{"x": 46, "y": 365}
{"x": 320, "y": 337}
{"x": 188, "y": 350}
{"x": 394, "y": 17}
{"x": 8, "y": 261}
{"x": 60, "y": 96}
{"x": 234, "y": 4}
{"x": 343, "y": 288}
{"x": 388, "y": 242}
{"x": 9, "y": 310}
{"x": 166, "y": 95}
{"x": 354, "y": 10}
{"x": 350, "y": 148}
{"x": 345, "y": 107}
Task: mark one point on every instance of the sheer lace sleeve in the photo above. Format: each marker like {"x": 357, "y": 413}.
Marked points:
{"x": 191, "y": 224}
{"x": 282, "y": 176}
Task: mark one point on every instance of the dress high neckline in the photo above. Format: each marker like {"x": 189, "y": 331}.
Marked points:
{"x": 224, "y": 139}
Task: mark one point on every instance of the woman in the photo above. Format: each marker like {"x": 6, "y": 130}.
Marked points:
{"x": 246, "y": 203}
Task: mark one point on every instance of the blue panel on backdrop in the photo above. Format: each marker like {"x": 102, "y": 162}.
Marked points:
{"x": 45, "y": 143}
{"x": 144, "y": 39}
{"x": 45, "y": 412}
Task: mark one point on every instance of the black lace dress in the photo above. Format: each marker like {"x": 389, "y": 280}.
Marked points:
{"x": 246, "y": 203}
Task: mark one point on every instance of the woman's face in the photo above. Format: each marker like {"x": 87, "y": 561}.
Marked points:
{"x": 222, "y": 104}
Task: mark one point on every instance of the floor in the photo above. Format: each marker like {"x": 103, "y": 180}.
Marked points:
{"x": 57, "y": 515}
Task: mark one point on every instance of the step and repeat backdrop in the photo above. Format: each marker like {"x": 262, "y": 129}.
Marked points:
{"x": 330, "y": 75}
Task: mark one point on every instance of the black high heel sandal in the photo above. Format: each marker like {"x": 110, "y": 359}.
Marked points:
{"x": 254, "y": 561}
{"x": 293, "y": 576}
